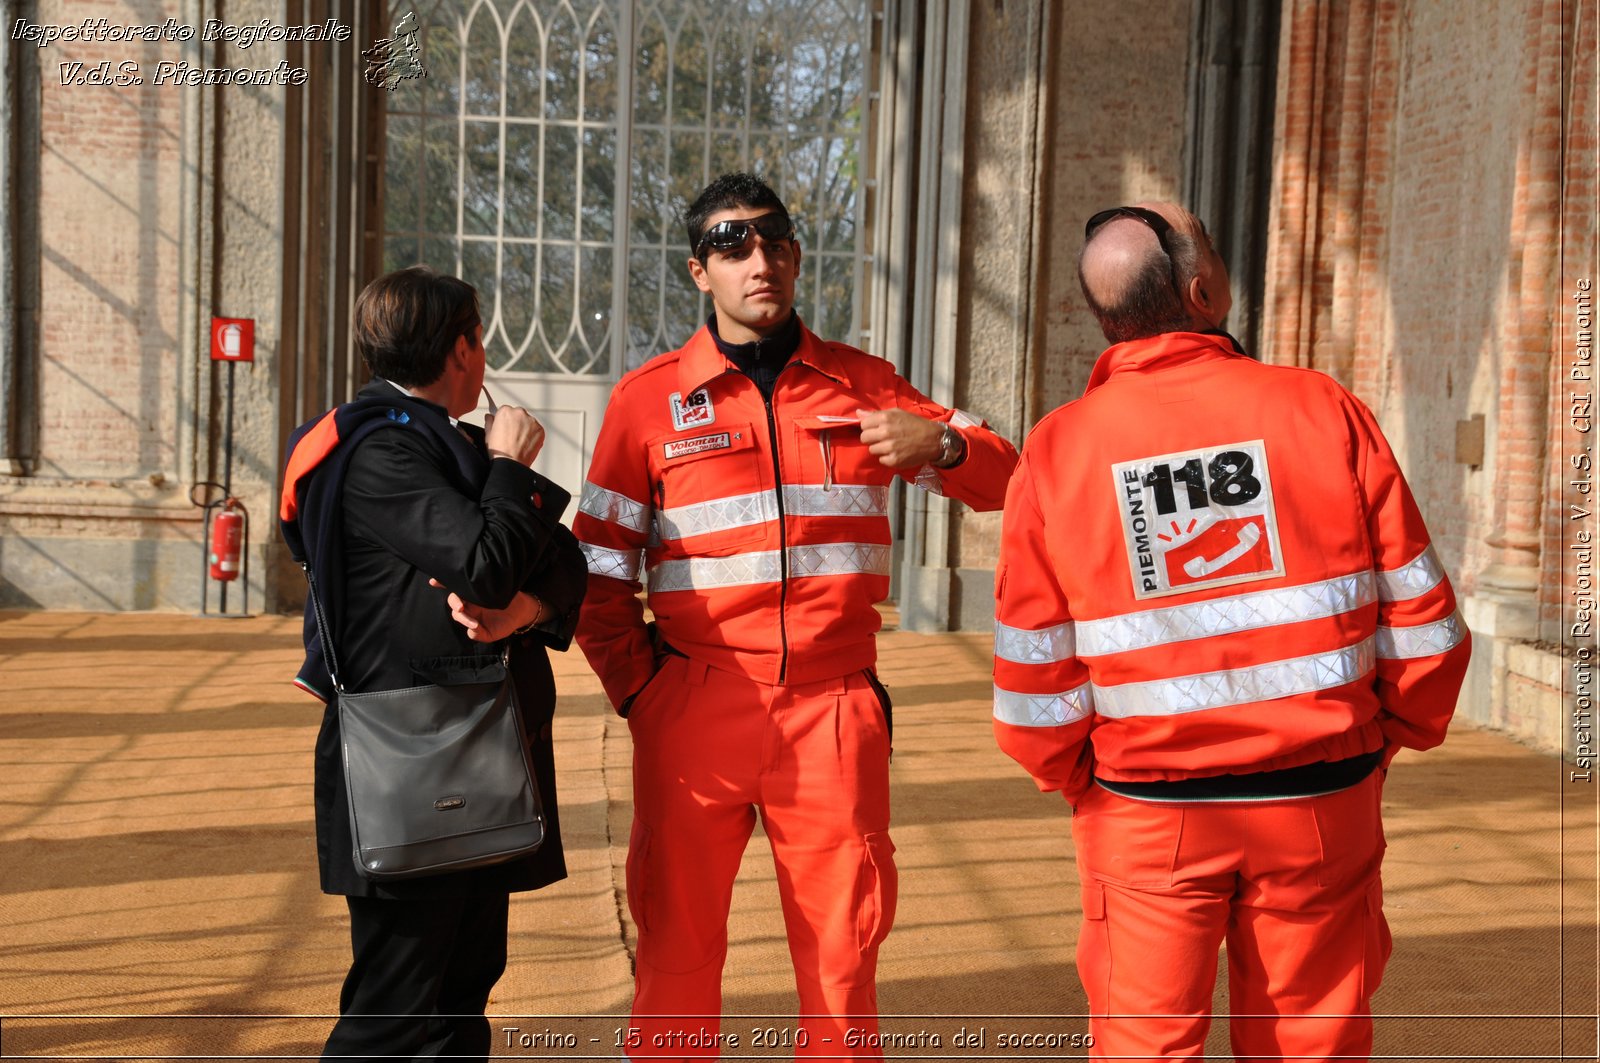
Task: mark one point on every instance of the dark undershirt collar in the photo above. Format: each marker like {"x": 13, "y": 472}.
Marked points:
{"x": 761, "y": 359}
{"x": 1238, "y": 348}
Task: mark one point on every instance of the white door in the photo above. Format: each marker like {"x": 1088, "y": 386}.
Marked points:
{"x": 570, "y": 413}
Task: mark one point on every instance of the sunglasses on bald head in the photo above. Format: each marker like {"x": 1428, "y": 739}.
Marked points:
{"x": 1159, "y": 225}
{"x": 732, "y": 235}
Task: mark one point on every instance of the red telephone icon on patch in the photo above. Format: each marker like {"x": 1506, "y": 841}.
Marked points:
{"x": 1233, "y": 547}
{"x": 1201, "y": 567}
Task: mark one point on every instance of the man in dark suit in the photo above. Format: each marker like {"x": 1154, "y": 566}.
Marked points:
{"x": 406, "y": 514}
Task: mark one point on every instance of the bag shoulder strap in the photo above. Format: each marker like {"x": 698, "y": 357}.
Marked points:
{"x": 347, "y": 426}
{"x": 323, "y": 632}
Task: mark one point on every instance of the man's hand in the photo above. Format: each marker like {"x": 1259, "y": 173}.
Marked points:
{"x": 492, "y": 625}
{"x": 512, "y": 432}
{"x": 899, "y": 438}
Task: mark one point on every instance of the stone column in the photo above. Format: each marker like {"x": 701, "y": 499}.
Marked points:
{"x": 979, "y": 274}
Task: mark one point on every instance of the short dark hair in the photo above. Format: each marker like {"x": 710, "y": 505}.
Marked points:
{"x": 726, "y": 192}
{"x": 1149, "y": 306}
{"x": 407, "y": 322}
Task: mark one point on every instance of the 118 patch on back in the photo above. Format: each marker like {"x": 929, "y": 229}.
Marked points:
{"x": 1198, "y": 518}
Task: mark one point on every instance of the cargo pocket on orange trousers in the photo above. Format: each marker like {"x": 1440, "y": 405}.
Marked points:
{"x": 877, "y": 885}
{"x": 638, "y": 875}
{"x": 1380, "y": 943}
{"x": 1094, "y": 947}
{"x": 883, "y": 703}
{"x": 1125, "y": 842}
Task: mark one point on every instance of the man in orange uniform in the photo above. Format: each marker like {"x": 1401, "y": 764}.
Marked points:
{"x": 1219, "y": 618}
{"x": 751, "y": 469}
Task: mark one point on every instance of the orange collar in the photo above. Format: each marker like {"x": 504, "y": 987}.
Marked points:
{"x": 1166, "y": 351}
{"x": 701, "y": 361}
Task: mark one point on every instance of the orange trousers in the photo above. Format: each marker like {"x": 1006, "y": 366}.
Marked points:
{"x": 1292, "y": 886}
{"x": 710, "y": 750}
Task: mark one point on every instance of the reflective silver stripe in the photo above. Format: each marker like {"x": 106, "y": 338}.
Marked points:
{"x": 1025, "y": 646}
{"x": 839, "y": 500}
{"x": 1220, "y": 616}
{"x": 703, "y": 573}
{"x": 827, "y": 559}
{"x": 618, "y": 564}
{"x": 839, "y": 559}
{"x": 1237, "y": 686}
{"x": 1411, "y": 580}
{"x": 1043, "y": 710}
{"x": 1421, "y": 640}
{"x": 720, "y": 514}
{"x": 801, "y": 500}
{"x": 963, "y": 419}
{"x": 606, "y": 505}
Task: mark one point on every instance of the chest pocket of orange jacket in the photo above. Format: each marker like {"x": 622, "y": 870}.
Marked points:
{"x": 712, "y": 483}
{"x": 831, "y": 452}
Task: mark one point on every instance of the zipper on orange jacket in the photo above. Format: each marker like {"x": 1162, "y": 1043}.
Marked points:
{"x": 783, "y": 531}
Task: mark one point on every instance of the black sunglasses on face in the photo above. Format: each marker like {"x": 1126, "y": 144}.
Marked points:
{"x": 732, "y": 235}
{"x": 1158, "y": 224}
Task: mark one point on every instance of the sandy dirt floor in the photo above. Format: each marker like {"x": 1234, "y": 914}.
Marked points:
{"x": 158, "y": 891}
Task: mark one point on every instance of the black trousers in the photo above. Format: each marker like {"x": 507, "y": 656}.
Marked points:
{"x": 420, "y": 977}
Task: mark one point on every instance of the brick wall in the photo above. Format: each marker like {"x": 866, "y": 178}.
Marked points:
{"x": 134, "y": 249}
{"x": 1579, "y": 261}
{"x": 109, "y": 177}
{"x": 1417, "y": 255}
{"x": 106, "y": 497}
{"x": 1414, "y": 244}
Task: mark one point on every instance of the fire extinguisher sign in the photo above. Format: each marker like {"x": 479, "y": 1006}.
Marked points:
{"x": 1198, "y": 519}
{"x": 233, "y": 339}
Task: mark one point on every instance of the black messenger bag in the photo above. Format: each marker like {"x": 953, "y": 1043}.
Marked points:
{"x": 437, "y": 777}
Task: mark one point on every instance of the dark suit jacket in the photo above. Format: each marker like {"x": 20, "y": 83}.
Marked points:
{"x": 421, "y": 499}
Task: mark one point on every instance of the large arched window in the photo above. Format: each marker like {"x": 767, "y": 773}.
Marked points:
{"x": 518, "y": 164}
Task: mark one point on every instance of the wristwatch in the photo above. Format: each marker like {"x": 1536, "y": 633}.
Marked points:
{"x": 952, "y": 448}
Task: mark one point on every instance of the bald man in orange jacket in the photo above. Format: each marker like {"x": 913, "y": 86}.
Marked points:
{"x": 1219, "y": 691}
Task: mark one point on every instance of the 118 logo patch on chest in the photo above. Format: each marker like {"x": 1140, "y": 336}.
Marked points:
{"x": 694, "y": 412}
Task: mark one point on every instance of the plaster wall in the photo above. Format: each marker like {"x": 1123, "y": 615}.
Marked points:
{"x": 1118, "y": 87}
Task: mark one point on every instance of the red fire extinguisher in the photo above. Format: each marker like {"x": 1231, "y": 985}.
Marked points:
{"x": 227, "y": 541}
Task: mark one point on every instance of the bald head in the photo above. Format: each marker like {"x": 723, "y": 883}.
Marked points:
{"x": 1136, "y": 289}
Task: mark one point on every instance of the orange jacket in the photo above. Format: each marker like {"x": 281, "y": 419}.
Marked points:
{"x": 1211, "y": 566}
{"x": 764, "y": 528}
